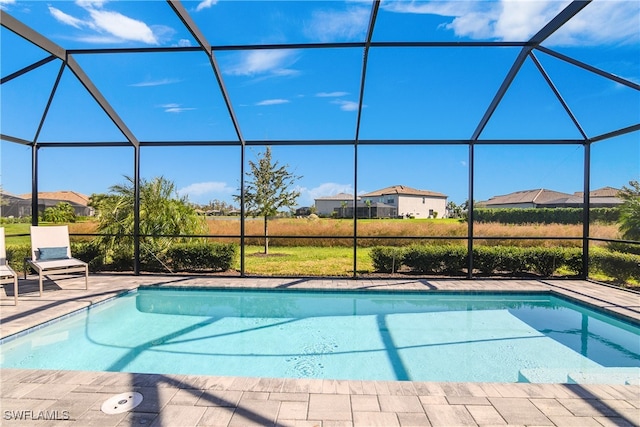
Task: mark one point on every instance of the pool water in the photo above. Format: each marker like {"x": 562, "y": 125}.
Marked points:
{"x": 339, "y": 335}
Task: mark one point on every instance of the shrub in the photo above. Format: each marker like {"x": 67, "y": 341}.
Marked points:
{"x": 454, "y": 258}
{"x": 513, "y": 259}
{"x": 573, "y": 259}
{"x": 63, "y": 212}
{"x": 422, "y": 259}
{"x": 620, "y": 266}
{"x": 486, "y": 259}
{"x": 202, "y": 256}
{"x": 89, "y": 253}
{"x": 544, "y": 215}
{"x": 544, "y": 261}
{"x": 625, "y": 248}
{"x": 16, "y": 256}
{"x": 386, "y": 259}
{"x": 121, "y": 259}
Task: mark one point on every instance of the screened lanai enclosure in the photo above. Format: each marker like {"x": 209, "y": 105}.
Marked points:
{"x": 470, "y": 100}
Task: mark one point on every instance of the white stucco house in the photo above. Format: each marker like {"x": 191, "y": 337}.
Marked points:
{"x": 325, "y": 206}
{"x": 410, "y": 202}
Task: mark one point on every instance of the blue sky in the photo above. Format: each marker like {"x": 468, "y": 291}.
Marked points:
{"x": 296, "y": 94}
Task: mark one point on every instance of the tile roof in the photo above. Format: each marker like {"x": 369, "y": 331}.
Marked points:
{"x": 404, "y": 190}
{"x": 6, "y": 195}
{"x": 70, "y": 196}
{"x": 601, "y": 192}
{"x": 538, "y": 196}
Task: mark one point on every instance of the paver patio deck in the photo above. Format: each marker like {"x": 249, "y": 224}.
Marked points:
{"x": 65, "y": 398}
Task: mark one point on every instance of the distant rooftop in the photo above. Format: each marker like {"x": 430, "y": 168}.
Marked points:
{"x": 70, "y": 196}
{"x": 404, "y": 190}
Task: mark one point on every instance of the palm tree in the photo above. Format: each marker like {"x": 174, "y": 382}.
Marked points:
{"x": 162, "y": 212}
{"x": 630, "y": 211}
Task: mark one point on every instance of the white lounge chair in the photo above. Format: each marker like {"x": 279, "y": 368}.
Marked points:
{"x": 7, "y": 275}
{"x": 51, "y": 253}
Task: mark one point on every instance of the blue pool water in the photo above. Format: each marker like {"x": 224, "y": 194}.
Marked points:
{"x": 340, "y": 335}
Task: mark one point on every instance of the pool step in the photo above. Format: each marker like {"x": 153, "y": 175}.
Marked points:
{"x": 625, "y": 376}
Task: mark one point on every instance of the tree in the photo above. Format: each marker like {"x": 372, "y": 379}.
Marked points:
{"x": 268, "y": 190}
{"x": 162, "y": 212}
{"x": 455, "y": 211}
{"x": 218, "y": 205}
{"x": 630, "y": 211}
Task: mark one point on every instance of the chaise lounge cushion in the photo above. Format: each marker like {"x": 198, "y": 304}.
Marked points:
{"x": 48, "y": 254}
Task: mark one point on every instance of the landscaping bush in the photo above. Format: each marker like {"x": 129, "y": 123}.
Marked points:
{"x": 201, "y": 256}
{"x": 121, "y": 259}
{"x": 625, "y": 248}
{"x": 513, "y": 259}
{"x": 89, "y": 253}
{"x": 620, "y": 266}
{"x": 386, "y": 259}
{"x": 573, "y": 259}
{"x": 544, "y": 261}
{"x": 544, "y": 215}
{"x": 16, "y": 256}
{"x": 422, "y": 259}
{"x": 486, "y": 259}
{"x": 454, "y": 259}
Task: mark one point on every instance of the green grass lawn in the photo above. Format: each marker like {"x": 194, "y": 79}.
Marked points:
{"x": 11, "y": 230}
{"x": 305, "y": 261}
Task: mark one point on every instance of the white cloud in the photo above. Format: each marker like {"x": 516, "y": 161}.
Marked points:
{"x": 346, "y": 105}
{"x": 339, "y": 25}
{"x": 209, "y": 189}
{"x": 4, "y": 3}
{"x": 62, "y": 17}
{"x": 308, "y": 195}
{"x": 184, "y": 42}
{"x": 91, "y": 3}
{"x": 601, "y": 22}
{"x": 122, "y": 26}
{"x": 205, "y": 4}
{"x": 95, "y": 39}
{"x": 519, "y": 20}
{"x": 261, "y": 62}
{"x": 110, "y": 26}
{"x": 331, "y": 94}
{"x": 175, "y": 108}
{"x": 272, "y": 102}
{"x": 160, "y": 82}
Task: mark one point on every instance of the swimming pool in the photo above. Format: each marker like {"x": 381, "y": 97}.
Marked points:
{"x": 497, "y": 337}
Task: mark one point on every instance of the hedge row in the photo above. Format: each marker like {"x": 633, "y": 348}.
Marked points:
{"x": 513, "y": 260}
{"x": 180, "y": 257}
{"x": 620, "y": 266}
{"x": 544, "y": 215}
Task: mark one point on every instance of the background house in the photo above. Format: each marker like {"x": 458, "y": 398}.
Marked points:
{"x": 410, "y": 202}
{"x": 325, "y": 206}
{"x": 47, "y": 199}
{"x": 372, "y": 210}
{"x": 605, "y": 197}
{"x": 12, "y": 206}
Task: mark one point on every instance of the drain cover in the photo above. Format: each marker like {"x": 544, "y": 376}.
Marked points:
{"x": 122, "y": 402}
